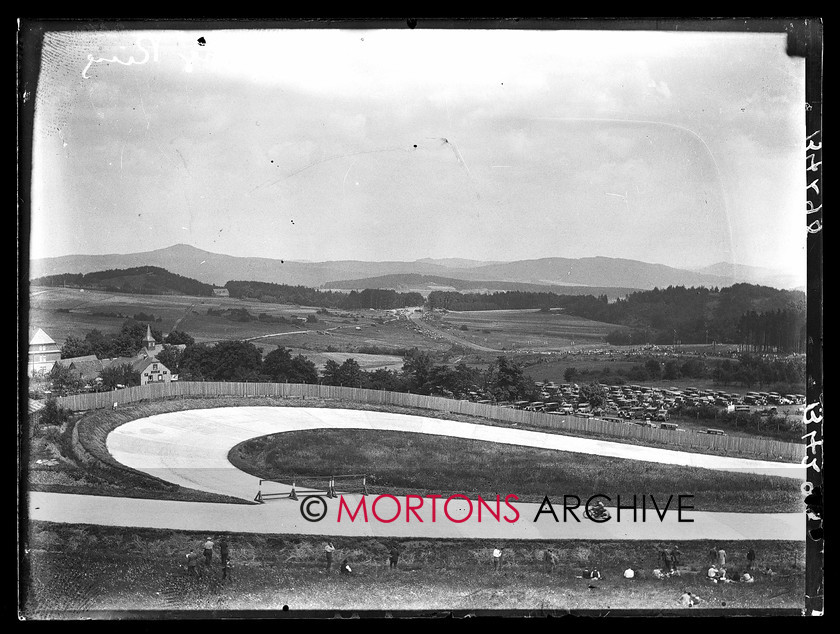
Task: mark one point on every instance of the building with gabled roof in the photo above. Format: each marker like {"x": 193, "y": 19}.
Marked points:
{"x": 43, "y": 353}
{"x": 88, "y": 367}
{"x": 151, "y": 371}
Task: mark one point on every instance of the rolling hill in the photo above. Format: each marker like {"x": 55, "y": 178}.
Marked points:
{"x": 146, "y": 280}
{"x": 216, "y": 269}
{"x": 405, "y": 282}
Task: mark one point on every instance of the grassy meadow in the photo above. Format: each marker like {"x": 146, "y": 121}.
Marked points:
{"x": 401, "y": 463}
{"x": 532, "y": 329}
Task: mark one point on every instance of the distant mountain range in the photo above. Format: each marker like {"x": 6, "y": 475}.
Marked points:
{"x": 595, "y": 272}
{"x": 757, "y": 275}
{"x": 408, "y": 282}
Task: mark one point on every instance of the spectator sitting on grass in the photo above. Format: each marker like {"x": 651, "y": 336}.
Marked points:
{"x": 688, "y": 600}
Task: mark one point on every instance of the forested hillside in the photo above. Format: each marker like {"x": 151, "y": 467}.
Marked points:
{"x": 759, "y": 317}
{"x": 144, "y": 280}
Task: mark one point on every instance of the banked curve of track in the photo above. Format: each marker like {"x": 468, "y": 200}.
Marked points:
{"x": 190, "y": 448}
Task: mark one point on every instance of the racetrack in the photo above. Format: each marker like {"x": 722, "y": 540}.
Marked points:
{"x": 190, "y": 449}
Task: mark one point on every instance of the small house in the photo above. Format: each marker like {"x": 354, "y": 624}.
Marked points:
{"x": 152, "y": 371}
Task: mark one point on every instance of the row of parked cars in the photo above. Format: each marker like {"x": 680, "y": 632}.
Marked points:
{"x": 643, "y": 405}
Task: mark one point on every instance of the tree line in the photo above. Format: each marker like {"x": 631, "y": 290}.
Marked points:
{"x": 501, "y": 380}
{"x": 761, "y": 318}
{"x": 272, "y": 293}
{"x": 747, "y": 370}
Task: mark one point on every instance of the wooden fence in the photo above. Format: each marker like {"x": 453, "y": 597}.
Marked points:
{"x": 760, "y": 447}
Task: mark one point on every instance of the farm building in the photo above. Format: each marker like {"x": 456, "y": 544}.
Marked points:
{"x": 88, "y": 367}
{"x": 43, "y": 353}
{"x": 221, "y": 292}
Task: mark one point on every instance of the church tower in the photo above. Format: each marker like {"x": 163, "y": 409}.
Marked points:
{"x": 148, "y": 340}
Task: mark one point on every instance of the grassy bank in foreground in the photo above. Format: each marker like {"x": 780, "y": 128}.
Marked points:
{"x": 100, "y": 569}
{"x": 401, "y": 463}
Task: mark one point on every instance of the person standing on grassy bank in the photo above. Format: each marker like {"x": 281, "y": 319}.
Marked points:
{"x": 208, "y": 551}
{"x": 497, "y": 559}
{"x": 226, "y": 568}
{"x": 750, "y": 560}
{"x": 395, "y": 556}
{"x": 550, "y": 560}
{"x": 192, "y": 563}
{"x": 224, "y": 550}
{"x": 329, "y": 549}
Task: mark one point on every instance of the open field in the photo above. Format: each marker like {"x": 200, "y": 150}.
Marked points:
{"x": 70, "y": 312}
{"x": 367, "y": 362}
{"x": 514, "y": 330}
{"x": 98, "y": 569}
{"x": 608, "y": 361}
{"x": 395, "y": 335}
{"x": 404, "y": 463}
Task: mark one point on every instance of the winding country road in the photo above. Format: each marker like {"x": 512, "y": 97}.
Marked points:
{"x": 416, "y": 319}
{"x": 190, "y": 448}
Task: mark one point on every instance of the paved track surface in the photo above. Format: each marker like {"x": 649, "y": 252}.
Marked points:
{"x": 190, "y": 449}
{"x": 283, "y": 516}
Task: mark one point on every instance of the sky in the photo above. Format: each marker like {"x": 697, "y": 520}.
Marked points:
{"x": 679, "y": 148}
